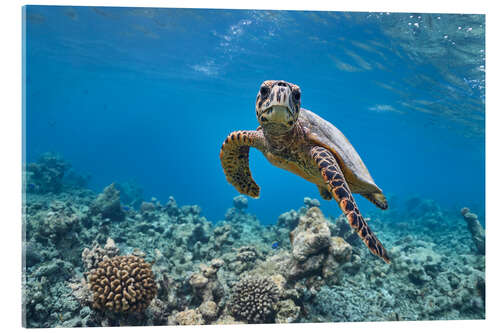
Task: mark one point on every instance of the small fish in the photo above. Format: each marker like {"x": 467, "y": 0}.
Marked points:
{"x": 275, "y": 245}
{"x": 31, "y": 186}
{"x": 126, "y": 208}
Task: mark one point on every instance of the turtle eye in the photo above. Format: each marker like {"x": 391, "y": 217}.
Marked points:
{"x": 296, "y": 95}
{"x": 264, "y": 91}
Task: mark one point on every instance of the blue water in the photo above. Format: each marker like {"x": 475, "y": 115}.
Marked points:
{"x": 149, "y": 95}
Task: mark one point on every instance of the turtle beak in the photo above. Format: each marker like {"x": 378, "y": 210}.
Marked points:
{"x": 277, "y": 114}
{"x": 278, "y": 107}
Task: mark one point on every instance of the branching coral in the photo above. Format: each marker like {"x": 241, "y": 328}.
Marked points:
{"x": 247, "y": 254}
{"x": 122, "y": 284}
{"x": 92, "y": 257}
{"x": 254, "y": 300}
{"x": 245, "y": 259}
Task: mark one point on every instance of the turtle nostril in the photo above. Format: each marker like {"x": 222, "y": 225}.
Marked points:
{"x": 290, "y": 123}
{"x": 263, "y": 119}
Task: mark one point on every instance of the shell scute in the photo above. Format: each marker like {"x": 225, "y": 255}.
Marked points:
{"x": 323, "y": 133}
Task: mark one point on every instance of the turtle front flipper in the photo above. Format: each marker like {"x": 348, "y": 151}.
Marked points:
{"x": 337, "y": 185}
{"x": 234, "y": 158}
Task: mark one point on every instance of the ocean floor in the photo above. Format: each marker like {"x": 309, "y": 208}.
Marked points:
{"x": 112, "y": 259}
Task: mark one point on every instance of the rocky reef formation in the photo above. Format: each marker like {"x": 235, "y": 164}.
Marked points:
{"x": 475, "y": 228}
{"x": 315, "y": 253}
{"x": 93, "y": 256}
{"x": 108, "y": 204}
{"x": 208, "y": 290}
{"x": 422, "y": 283}
{"x": 52, "y": 174}
{"x": 313, "y": 259}
{"x": 131, "y": 195}
{"x": 305, "y": 268}
{"x": 46, "y": 175}
{"x": 310, "y": 236}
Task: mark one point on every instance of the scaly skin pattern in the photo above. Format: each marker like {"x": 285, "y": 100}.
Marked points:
{"x": 338, "y": 187}
{"x": 378, "y": 199}
{"x": 284, "y": 141}
{"x": 234, "y": 158}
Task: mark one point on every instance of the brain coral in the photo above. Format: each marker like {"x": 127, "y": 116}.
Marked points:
{"x": 122, "y": 284}
{"x": 254, "y": 300}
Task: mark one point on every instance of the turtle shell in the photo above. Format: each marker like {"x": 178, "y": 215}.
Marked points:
{"x": 323, "y": 133}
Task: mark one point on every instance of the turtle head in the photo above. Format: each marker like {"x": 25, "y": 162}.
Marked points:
{"x": 278, "y": 105}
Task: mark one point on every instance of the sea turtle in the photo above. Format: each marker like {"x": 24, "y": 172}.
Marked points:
{"x": 298, "y": 140}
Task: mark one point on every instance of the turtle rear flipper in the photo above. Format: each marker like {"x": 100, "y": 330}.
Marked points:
{"x": 378, "y": 199}
{"x": 325, "y": 193}
{"x": 234, "y": 158}
{"x": 337, "y": 185}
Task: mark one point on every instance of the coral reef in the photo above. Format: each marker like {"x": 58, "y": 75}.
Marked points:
{"x": 240, "y": 202}
{"x": 475, "y": 228}
{"x": 314, "y": 266}
{"x": 46, "y": 175}
{"x": 58, "y": 220}
{"x": 206, "y": 297}
{"x": 342, "y": 229}
{"x": 309, "y": 203}
{"x": 314, "y": 251}
{"x": 108, "y": 204}
{"x": 208, "y": 289}
{"x": 188, "y": 317}
{"x": 122, "y": 284}
{"x": 254, "y": 300}
{"x": 420, "y": 284}
{"x": 246, "y": 258}
{"x": 131, "y": 194}
{"x": 287, "y": 312}
{"x": 91, "y": 257}
{"x": 311, "y": 235}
